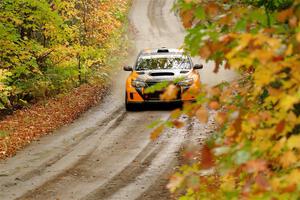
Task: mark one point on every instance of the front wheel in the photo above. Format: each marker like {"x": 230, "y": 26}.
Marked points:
{"x": 128, "y": 106}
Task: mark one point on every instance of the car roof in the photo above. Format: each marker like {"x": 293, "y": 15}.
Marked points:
{"x": 158, "y": 51}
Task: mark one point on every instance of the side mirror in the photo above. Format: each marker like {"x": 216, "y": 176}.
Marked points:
{"x": 128, "y": 68}
{"x": 198, "y": 66}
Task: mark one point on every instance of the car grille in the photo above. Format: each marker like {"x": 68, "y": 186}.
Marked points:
{"x": 153, "y": 96}
{"x": 156, "y": 95}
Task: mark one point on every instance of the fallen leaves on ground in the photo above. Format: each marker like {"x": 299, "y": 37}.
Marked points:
{"x": 29, "y": 124}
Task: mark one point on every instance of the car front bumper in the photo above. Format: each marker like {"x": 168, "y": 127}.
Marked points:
{"x": 139, "y": 97}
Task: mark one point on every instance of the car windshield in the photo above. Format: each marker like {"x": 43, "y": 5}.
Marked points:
{"x": 156, "y": 62}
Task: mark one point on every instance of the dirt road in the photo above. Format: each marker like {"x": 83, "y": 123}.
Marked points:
{"x": 107, "y": 154}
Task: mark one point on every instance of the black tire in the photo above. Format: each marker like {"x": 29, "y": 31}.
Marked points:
{"x": 128, "y": 106}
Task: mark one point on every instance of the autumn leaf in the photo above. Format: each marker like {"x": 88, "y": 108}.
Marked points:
{"x": 194, "y": 182}
{"x": 212, "y": 9}
{"x": 157, "y": 132}
{"x": 288, "y": 159}
{"x": 175, "y": 113}
{"x": 294, "y": 142}
{"x": 175, "y": 181}
{"x": 202, "y": 115}
{"x": 259, "y": 122}
{"x": 254, "y": 166}
{"x": 298, "y": 37}
{"x": 187, "y": 18}
{"x": 178, "y": 124}
{"x": 284, "y": 15}
{"x": 262, "y": 182}
{"x": 207, "y": 158}
{"x": 205, "y": 52}
{"x": 280, "y": 127}
{"x": 289, "y": 189}
{"x": 221, "y": 118}
{"x": 170, "y": 93}
{"x": 214, "y": 105}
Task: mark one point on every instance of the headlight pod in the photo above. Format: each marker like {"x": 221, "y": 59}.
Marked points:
{"x": 138, "y": 84}
{"x": 186, "y": 82}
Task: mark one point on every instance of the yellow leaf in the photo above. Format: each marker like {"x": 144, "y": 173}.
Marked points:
{"x": 288, "y": 102}
{"x": 279, "y": 146}
{"x": 294, "y": 176}
{"x": 263, "y": 77}
{"x": 175, "y": 113}
{"x": 244, "y": 40}
{"x": 294, "y": 142}
{"x": 289, "y": 50}
{"x": 298, "y": 37}
{"x": 228, "y": 183}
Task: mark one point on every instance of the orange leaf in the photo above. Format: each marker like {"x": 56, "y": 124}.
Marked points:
{"x": 170, "y": 93}
{"x": 284, "y": 15}
{"x": 205, "y": 52}
{"x": 256, "y": 166}
{"x": 187, "y": 18}
{"x": 287, "y": 159}
{"x": 289, "y": 189}
{"x": 262, "y": 182}
{"x": 207, "y": 158}
{"x": 202, "y": 115}
{"x": 214, "y": 105}
{"x": 280, "y": 127}
{"x": 157, "y": 132}
{"x": 178, "y": 124}
{"x": 212, "y": 9}
{"x": 221, "y": 118}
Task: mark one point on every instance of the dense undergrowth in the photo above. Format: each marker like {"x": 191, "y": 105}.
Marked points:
{"x": 254, "y": 154}
{"x": 73, "y": 74}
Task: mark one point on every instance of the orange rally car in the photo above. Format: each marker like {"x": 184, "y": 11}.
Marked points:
{"x": 157, "y": 66}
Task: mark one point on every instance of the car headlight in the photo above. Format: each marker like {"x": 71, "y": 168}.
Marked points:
{"x": 138, "y": 84}
{"x": 186, "y": 82}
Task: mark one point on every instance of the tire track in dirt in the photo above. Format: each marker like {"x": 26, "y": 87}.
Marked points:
{"x": 137, "y": 167}
{"x": 92, "y": 170}
{"x": 63, "y": 161}
{"x": 42, "y": 168}
{"x": 155, "y": 15}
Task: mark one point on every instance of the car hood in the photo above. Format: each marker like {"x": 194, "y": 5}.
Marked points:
{"x": 162, "y": 75}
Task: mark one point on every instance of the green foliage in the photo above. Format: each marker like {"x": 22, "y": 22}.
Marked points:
{"x": 48, "y": 47}
{"x": 3, "y": 134}
{"x": 270, "y": 4}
